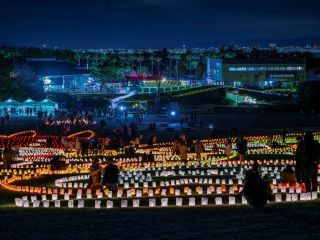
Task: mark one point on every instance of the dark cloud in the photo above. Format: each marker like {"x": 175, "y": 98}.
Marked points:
{"x": 154, "y": 23}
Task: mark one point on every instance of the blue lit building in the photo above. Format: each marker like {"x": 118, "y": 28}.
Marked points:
{"x": 60, "y": 76}
{"x": 263, "y": 72}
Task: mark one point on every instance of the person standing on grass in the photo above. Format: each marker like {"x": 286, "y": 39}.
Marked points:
{"x": 198, "y": 149}
{"x": 298, "y": 158}
{"x": 241, "y": 148}
{"x": 309, "y": 161}
{"x": 95, "y": 174}
{"x": 228, "y": 148}
{"x": 111, "y": 174}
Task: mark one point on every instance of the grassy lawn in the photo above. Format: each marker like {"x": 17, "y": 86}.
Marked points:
{"x": 277, "y": 221}
{"x": 203, "y": 96}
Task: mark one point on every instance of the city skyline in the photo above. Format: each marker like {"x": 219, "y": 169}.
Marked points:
{"x": 157, "y": 24}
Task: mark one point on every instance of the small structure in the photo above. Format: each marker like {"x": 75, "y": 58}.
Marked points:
{"x": 236, "y": 97}
{"x": 27, "y": 108}
{"x": 60, "y": 76}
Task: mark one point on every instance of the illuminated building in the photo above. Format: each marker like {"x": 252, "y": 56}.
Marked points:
{"x": 59, "y": 76}
{"x": 256, "y": 72}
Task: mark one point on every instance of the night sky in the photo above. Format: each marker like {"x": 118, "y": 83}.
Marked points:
{"x": 157, "y": 23}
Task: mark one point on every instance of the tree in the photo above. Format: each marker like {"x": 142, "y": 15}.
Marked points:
{"x": 177, "y": 58}
{"x": 152, "y": 59}
{"x": 158, "y": 60}
{"x": 140, "y": 58}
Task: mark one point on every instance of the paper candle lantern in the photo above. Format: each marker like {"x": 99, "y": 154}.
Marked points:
{"x": 54, "y": 197}
{"x": 44, "y": 197}
{"x": 45, "y": 203}
{"x": 100, "y": 195}
{"x": 163, "y": 192}
{"x": 204, "y": 201}
{"x": 291, "y": 189}
{"x": 25, "y": 203}
{"x": 189, "y": 192}
{"x": 89, "y": 195}
{"x": 33, "y": 198}
{"x": 314, "y": 195}
{"x": 219, "y": 191}
{"x": 124, "y": 203}
{"x": 139, "y": 193}
{"x": 303, "y": 196}
{"x": 145, "y": 191}
{"x": 97, "y": 204}
{"x": 218, "y": 201}
{"x": 129, "y": 193}
{"x": 79, "y": 195}
{"x": 66, "y": 196}
{"x": 57, "y": 203}
{"x": 109, "y": 204}
{"x": 135, "y": 203}
{"x": 244, "y": 200}
{"x": 275, "y": 189}
{"x": 152, "y": 202}
{"x": 164, "y": 202}
{"x": 119, "y": 193}
{"x": 308, "y": 196}
{"x": 110, "y": 194}
{"x": 294, "y": 197}
{"x": 35, "y": 203}
{"x": 232, "y": 200}
{"x": 192, "y": 201}
{"x": 288, "y": 197}
{"x": 278, "y": 197}
{"x": 177, "y": 192}
{"x": 80, "y": 204}
{"x": 179, "y": 202}
{"x": 18, "y": 202}
{"x": 298, "y": 189}
{"x": 150, "y": 193}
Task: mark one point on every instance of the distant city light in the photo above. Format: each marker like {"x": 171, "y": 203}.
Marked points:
{"x": 173, "y": 113}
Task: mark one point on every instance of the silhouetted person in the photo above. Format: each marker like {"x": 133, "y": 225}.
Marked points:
{"x": 110, "y": 177}
{"x": 256, "y": 190}
{"x": 298, "y": 159}
{"x": 95, "y": 174}
{"x": 150, "y": 157}
{"x": 241, "y": 148}
{"x": 309, "y": 161}
{"x": 58, "y": 163}
{"x": 288, "y": 176}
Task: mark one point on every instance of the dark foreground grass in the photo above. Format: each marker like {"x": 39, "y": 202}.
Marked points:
{"x": 276, "y": 221}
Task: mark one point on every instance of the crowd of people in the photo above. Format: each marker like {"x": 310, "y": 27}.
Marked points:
{"x": 257, "y": 189}
{"x": 110, "y": 175}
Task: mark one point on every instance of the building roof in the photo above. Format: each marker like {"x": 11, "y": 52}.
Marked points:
{"x": 50, "y": 67}
{"x": 264, "y": 61}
